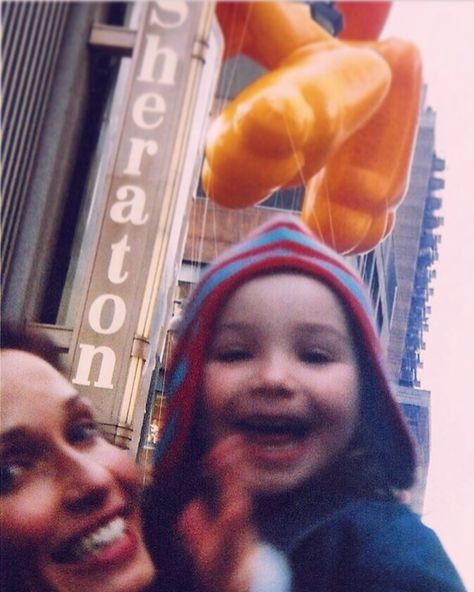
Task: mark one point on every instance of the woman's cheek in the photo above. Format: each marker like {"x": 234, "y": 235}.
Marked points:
{"x": 119, "y": 463}
{"x": 28, "y": 519}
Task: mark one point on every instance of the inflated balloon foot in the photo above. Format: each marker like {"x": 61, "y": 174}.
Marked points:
{"x": 351, "y": 203}
{"x": 284, "y": 127}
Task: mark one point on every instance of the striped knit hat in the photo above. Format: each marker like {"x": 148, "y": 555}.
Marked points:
{"x": 284, "y": 243}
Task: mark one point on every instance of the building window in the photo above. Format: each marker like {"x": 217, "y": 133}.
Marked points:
{"x": 79, "y": 202}
{"x": 83, "y": 196}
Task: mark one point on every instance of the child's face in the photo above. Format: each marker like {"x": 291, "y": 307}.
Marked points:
{"x": 282, "y": 373}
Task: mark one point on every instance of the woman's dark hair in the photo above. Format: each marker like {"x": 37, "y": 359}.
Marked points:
{"x": 23, "y": 338}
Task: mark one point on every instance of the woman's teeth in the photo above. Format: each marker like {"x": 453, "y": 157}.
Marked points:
{"x": 105, "y": 535}
{"x": 93, "y": 543}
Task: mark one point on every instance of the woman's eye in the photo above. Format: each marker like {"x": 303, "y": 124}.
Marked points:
{"x": 83, "y": 431}
{"x": 10, "y": 476}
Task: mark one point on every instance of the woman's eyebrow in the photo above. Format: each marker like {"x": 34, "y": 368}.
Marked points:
{"x": 77, "y": 403}
{"x": 20, "y": 438}
{"x": 23, "y": 435}
{"x": 15, "y": 434}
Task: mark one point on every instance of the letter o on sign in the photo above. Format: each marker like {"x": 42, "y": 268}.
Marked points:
{"x": 114, "y": 319}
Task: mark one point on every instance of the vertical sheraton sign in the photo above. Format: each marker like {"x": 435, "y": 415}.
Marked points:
{"x": 157, "y": 94}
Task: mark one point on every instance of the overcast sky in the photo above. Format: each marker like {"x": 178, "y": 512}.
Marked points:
{"x": 443, "y": 30}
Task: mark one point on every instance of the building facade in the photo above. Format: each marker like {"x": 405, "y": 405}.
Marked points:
{"x": 105, "y": 109}
{"x": 399, "y": 273}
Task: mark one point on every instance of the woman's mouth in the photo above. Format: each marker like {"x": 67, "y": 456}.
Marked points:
{"x": 93, "y": 544}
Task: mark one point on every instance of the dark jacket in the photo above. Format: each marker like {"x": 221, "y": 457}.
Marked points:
{"x": 357, "y": 545}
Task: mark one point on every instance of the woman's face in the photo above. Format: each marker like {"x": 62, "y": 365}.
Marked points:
{"x": 282, "y": 373}
{"x": 69, "y": 499}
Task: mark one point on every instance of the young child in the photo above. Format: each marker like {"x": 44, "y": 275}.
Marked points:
{"x": 277, "y": 347}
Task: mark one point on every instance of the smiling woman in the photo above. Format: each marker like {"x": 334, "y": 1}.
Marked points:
{"x": 70, "y": 518}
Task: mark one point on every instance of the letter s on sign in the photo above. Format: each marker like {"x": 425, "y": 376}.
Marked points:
{"x": 179, "y": 8}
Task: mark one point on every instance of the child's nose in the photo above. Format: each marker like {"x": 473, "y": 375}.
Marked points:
{"x": 274, "y": 374}
{"x": 87, "y": 483}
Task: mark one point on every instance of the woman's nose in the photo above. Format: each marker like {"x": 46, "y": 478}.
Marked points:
{"x": 87, "y": 483}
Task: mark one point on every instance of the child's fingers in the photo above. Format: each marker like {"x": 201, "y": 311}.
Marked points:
{"x": 227, "y": 466}
{"x": 220, "y": 547}
{"x": 234, "y": 510}
{"x": 229, "y": 525}
{"x": 193, "y": 525}
{"x": 219, "y": 535}
{"x": 230, "y": 450}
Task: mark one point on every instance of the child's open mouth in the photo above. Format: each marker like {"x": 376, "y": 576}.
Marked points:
{"x": 274, "y": 439}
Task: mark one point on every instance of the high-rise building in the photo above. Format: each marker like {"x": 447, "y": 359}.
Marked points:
{"x": 399, "y": 274}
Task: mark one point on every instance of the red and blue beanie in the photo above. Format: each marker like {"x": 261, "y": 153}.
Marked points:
{"x": 282, "y": 244}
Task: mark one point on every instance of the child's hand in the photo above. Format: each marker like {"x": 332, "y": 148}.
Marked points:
{"x": 221, "y": 539}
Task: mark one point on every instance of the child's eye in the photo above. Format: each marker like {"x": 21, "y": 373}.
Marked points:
{"x": 314, "y": 356}
{"x": 83, "y": 431}
{"x": 231, "y": 355}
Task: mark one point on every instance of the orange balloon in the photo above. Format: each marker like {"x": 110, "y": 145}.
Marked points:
{"x": 347, "y": 230}
{"x": 370, "y": 171}
{"x": 363, "y": 21}
{"x": 289, "y": 121}
{"x": 268, "y": 32}
{"x": 380, "y": 227}
{"x": 317, "y": 115}
{"x": 339, "y": 226}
